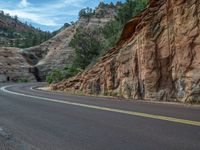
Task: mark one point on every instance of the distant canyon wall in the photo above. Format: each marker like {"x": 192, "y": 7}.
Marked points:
{"x": 56, "y": 53}
{"x": 14, "y": 67}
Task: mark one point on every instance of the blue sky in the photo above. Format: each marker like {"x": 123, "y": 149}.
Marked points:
{"x": 48, "y": 15}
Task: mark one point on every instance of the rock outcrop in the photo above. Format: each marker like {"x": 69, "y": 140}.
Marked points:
{"x": 13, "y": 66}
{"x": 157, "y": 57}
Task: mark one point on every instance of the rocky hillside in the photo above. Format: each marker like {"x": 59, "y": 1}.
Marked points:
{"x": 14, "y": 33}
{"x": 52, "y": 54}
{"x": 56, "y": 52}
{"x": 13, "y": 66}
{"x": 157, "y": 57}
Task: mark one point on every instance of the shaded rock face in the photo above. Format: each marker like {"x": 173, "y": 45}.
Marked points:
{"x": 157, "y": 57}
{"x": 13, "y": 66}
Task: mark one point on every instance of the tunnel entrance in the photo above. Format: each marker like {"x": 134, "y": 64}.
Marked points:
{"x": 35, "y": 72}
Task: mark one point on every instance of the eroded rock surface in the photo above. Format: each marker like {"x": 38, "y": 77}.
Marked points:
{"x": 157, "y": 57}
{"x": 13, "y": 66}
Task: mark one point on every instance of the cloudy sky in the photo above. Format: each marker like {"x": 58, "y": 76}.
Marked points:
{"x": 48, "y": 15}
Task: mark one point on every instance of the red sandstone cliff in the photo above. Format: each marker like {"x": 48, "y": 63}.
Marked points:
{"x": 157, "y": 57}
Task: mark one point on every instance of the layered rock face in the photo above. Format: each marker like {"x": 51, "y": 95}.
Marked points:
{"x": 13, "y": 66}
{"x": 157, "y": 57}
{"x": 52, "y": 54}
{"x": 102, "y": 16}
{"x": 56, "y": 52}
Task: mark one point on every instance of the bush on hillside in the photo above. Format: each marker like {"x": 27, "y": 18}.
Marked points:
{"x": 86, "y": 13}
{"x": 55, "y": 76}
{"x": 87, "y": 46}
{"x": 22, "y": 80}
{"x": 70, "y": 71}
{"x": 59, "y": 75}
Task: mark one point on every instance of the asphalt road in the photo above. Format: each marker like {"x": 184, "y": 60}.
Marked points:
{"x": 37, "y": 120}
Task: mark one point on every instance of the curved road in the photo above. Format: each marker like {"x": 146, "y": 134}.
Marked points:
{"x": 37, "y": 120}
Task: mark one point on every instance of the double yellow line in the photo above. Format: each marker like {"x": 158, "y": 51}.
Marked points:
{"x": 132, "y": 113}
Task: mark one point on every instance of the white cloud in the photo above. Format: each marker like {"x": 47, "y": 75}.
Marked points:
{"x": 74, "y": 1}
{"x": 23, "y": 3}
{"x": 65, "y": 3}
{"x": 37, "y": 18}
{"x": 54, "y": 13}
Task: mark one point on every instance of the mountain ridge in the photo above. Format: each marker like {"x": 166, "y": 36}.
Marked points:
{"x": 14, "y": 33}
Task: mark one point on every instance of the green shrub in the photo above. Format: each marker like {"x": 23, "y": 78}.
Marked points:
{"x": 22, "y": 80}
{"x": 87, "y": 47}
{"x": 111, "y": 33}
{"x": 70, "y": 71}
{"x": 86, "y": 13}
{"x": 59, "y": 75}
{"x": 55, "y": 76}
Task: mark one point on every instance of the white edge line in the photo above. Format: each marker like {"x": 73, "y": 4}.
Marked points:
{"x": 139, "y": 114}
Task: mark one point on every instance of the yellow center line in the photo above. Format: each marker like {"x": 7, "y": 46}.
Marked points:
{"x": 132, "y": 113}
